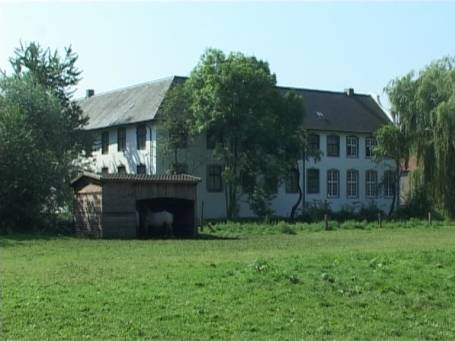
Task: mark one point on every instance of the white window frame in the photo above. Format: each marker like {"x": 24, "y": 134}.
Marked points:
{"x": 352, "y": 142}
{"x": 333, "y": 183}
{"x": 318, "y": 183}
{"x": 370, "y": 143}
{"x": 371, "y": 184}
{"x": 352, "y": 183}
{"x": 334, "y": 137}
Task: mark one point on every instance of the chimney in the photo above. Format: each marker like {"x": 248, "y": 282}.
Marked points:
{"x": 89, "y": 93}
{"x": 349, "y": 92}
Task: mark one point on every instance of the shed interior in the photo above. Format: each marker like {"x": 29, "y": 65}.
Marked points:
{"x": 182, "y": 211}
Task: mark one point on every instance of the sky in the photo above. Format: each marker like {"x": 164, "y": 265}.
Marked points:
{"x": 320, "y": 45}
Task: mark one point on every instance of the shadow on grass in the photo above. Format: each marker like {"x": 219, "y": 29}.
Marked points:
{"x": 19, "y": 239}
{"x": 16, "y": 239}
{"x": 200, "y": 236}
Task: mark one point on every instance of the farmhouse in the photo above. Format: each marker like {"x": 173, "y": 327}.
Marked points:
{"x": 130, "y": 142}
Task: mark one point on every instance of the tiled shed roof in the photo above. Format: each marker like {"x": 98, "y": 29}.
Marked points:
{"x": 157, "y": 178}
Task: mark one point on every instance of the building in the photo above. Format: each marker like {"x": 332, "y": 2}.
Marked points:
{"x": 129, "y": 141}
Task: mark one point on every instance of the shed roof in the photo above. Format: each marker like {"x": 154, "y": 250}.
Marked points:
{"x": 325, "y": 110}
{"x": 156, "y": 178}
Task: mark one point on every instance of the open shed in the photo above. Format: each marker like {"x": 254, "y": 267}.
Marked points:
{"x": 115, "y": 205}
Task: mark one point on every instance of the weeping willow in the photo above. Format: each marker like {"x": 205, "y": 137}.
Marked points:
{"x": 424, "y": 108}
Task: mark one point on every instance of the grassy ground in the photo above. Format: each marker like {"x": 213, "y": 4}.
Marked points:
{"x": 342, "y": 284}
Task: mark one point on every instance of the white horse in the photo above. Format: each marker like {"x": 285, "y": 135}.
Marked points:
{"x": 162, "y": 219}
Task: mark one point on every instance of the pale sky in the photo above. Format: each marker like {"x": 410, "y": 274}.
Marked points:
{"x": 329, "y": 45}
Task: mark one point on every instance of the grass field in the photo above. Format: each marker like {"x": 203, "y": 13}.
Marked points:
{"x": 342, "y": 284}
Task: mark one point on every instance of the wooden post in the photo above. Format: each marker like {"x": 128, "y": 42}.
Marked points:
{"x": 429, "y": 218}
{"x": 380, "y": 219}
{"x": 202, "y": 215}
{"x": 326, "y": 222}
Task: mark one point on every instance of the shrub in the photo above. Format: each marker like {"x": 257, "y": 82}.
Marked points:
{"x": 285, "y": 228}
{"x": 418, "y": 206}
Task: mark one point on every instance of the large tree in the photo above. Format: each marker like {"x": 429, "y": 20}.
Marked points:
{"x": 40, "y": 130}
{"x": 256, "y": 129}
{"x": 424, "y": 106}
{"x": 392, "y": 144}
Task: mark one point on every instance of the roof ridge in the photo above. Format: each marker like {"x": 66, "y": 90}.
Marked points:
{"x": 173, "y": 77}
{"x": 319, "y": 90}
{"x": 108, "y": 92}
{"x": 371, "y": 111}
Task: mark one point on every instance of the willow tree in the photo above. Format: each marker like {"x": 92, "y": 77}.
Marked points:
{"x": 424, "y": 108}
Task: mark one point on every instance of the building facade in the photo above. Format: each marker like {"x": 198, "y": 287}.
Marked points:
{"x": 129, "y": 140}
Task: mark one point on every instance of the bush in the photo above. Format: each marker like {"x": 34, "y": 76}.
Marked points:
{"x": 285, "y": 228}
{"x": 418, "y": 206}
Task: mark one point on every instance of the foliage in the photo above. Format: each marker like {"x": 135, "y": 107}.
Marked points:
{"x": 176, "y": 121}
{"x": 398, "y": 282}
{"x": 257, "y": 131}
{"x": 285, "y": 228}
{"x": 424, "y": 106}
{"x": 392, "y": 144}
{"x": 40, "y": 129}
{"x": 260, "y": 202}
{"x": 418, "y": 205}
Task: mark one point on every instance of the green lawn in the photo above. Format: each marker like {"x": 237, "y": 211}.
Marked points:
{"x": 342, "y": 284}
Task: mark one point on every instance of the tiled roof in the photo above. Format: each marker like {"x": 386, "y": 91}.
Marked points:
{"x": 337, "y": 111}
{"x": 177, "y": 178}
{"x": 158, "y": 178}
{"x": 325, "y": 110}
{"x": 138, "y": 103}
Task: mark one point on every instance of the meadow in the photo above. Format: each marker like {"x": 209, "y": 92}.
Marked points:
{"x": 238, "y": 282}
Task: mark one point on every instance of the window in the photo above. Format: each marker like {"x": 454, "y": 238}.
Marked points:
{"x": 370, "y": 143}
{"x": 371, "y": 183}
{"x": 141, "y": 169}
{"x": 121, "y": 170}
{"x": 313, "y": 142}
{"x": 352, "y": 183}
{"x": 312, "y": 181}
{"x": 333, "y": 145}
{"x": 104, "y": 171}
{"x": 213, "y": 138}
{"x": 292, "y": 181}
{"x": 121, "y": 139}
{"x": 214, "y": 180}
{"x": 352, "y": 146}
{"x": 141, "y": 136}
{"x": 333, "y": 183}
{"x": 105, "y": 142}
{"x": 271, "y": 184}
{"x": 389, "y": 183}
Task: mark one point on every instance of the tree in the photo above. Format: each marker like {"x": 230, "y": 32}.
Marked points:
{"x": 392, "y": 144}
{"x": 424, "y": 106}
{"x": 40, "y": 129}
{"x": 176, "y": 121}
{"x": 233, "y": 99}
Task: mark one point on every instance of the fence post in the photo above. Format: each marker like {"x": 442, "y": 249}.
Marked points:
{"x": 380, "y": 219}
{"x": 326, "y": 222}
{"x": 429, "y": 218}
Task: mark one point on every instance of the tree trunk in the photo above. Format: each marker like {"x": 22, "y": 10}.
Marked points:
{"x": 299, "y": 200}
{"x": 396, "y": 192}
